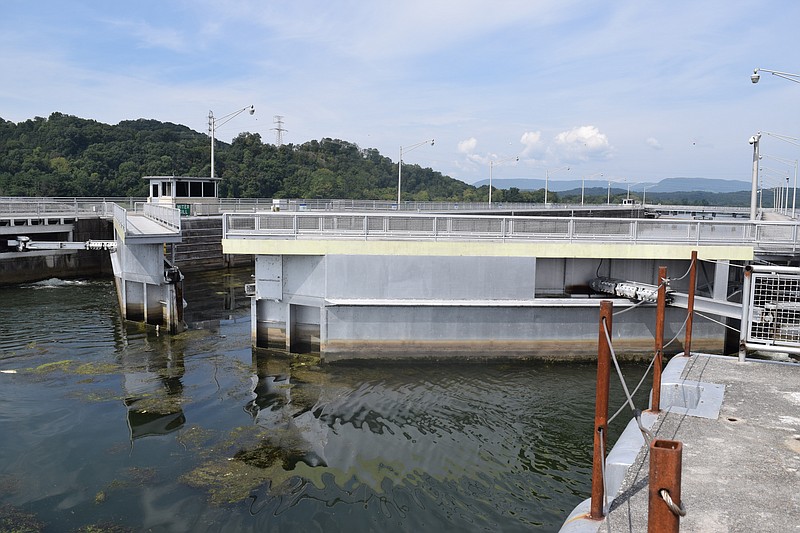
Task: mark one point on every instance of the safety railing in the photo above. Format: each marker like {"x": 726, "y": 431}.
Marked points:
{"x": 61, "y": 206}
{"x": 767, "y": 236}
{"x": 163, "y": 214}
{"x": 665, "y": 507}
{"x": 770, "y": 309}
{"x": 120, "y": 218}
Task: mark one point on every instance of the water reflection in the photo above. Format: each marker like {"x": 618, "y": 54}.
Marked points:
{"x": 243, "y": 440}
{"x": 284, "y": 406}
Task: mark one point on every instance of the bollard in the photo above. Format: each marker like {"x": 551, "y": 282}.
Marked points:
{"x": 665, "y": 487}
{"x": 655, "y": 401}
{"x": 601, "y": 409}
{"x": 687, "y": 348}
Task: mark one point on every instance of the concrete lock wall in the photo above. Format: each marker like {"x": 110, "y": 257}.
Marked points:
{"x": 542, "y": 332}
{"x": 430, "y": 278}
{"x": 425, "y": 306}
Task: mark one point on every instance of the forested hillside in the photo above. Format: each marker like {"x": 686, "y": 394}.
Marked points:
{"x": 65, "y": 155}
{"x": 69, "y": 156}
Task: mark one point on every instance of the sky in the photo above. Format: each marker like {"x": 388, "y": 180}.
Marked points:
{"x": 631, "y": 91}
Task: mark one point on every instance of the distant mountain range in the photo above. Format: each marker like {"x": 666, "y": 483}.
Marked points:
{"x": 667, "y": 185}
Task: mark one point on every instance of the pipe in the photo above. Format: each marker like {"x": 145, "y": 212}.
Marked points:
{"x": 690, "y": 305}
{"x": 655, "y": 401}
{"x": 601, "y": 409}
{"x": 665, "y": 477}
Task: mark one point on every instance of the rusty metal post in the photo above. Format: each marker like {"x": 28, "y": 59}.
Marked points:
{"x": 665, "y": 475}
{"x": 601, "y": 408}
{"x": 687, "y": 345}
{"x": 655, "y": 401}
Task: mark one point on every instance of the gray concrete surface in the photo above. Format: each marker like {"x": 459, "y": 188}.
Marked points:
{"x": 741, "y": 470}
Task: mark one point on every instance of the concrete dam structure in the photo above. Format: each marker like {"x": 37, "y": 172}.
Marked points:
{"x": 400, "y": 285}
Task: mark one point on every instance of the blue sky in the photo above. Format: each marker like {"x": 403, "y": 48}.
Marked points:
{"x": 637, "y": 90}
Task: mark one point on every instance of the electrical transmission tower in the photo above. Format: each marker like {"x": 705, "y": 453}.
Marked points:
{"x": 279, "y": 129}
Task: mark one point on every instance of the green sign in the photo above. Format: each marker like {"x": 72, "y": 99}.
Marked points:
{"x": 185, "y": 209}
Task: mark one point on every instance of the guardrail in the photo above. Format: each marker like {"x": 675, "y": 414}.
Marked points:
{"x": 763, "y": 236}
{"x": 11, "y": 206}
{"x": 163, "y": 214}
{"x": 120, "y": 218}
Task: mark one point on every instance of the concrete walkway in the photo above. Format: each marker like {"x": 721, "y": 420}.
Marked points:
{"x": 741, "y": 470}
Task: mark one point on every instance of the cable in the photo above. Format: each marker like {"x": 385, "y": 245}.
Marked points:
{"x": 717, "y": 321}
{"x": 686, "y": 274}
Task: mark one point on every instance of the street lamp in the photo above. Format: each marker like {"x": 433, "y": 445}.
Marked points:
{"x": 610, "y": 181}
{"x": 583, "y": 182}
{"x": 400, "y": 165}
{"x": 794, "y": 193}
{"x": 644, "y": 192}
{"x": 492, "y": 163}
{"x": 781, "y": 202}
{"x": 547, "y": 179}
{"x": 754, "y": 140}
{"x": 796, "y": 142}
{"x": 755, "y": 76}
{"x": 213, "y": 122}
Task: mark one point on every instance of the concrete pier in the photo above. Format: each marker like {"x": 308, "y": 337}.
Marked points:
{"x": 739, "y": 424}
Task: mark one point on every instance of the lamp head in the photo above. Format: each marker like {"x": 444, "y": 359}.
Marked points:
{"x": 755, "y": 76}
{"x": 252, "y": 109}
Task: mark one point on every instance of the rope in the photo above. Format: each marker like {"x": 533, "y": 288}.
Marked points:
{"x": 646, "y": 372}
{"x": 677, "y": 511}
{"x": 685, "y": 320}
{"x": 616, "y": 365}
{"x": 603, "y": 471}
{"x": 637, "y": 304}
{"x": 648, "y": 436}
{"x": 717, "y": 321}
{"x": 715, "y": 261}
{"x": 686, "y": 274}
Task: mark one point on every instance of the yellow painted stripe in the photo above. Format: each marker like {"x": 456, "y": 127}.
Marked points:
{"x": 489, "y": 249}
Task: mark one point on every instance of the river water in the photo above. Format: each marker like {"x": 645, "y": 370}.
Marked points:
{"x": 110, "y": 425}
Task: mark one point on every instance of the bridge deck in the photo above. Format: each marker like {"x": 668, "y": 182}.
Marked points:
{"x": 141, "y": 229}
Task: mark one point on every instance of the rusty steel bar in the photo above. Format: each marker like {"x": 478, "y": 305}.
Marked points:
{"x": 687, "y": 345}
{"x": 665, "y": 475}
{"x": 655, "y": 402}
{"x": 601, "y": 408}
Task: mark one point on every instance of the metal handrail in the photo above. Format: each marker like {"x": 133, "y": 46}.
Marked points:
{"x": 403, "y": 226}
{"x": 164, "y": 214}
{"x": 120, "y": 218}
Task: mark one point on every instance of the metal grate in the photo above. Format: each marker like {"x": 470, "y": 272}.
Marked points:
{"x": 774, "y": 314}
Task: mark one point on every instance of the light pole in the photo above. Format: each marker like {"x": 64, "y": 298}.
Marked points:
{"x": 794, "y": 194}
{"x": 609, "y": 189}
{"x": 796, "y": 142}
{"x": 400, "y": 165}
{"x": 213, "y": 122}
{"x": 754, "y": 140}
{"x": 755, "y": 76}
{"x": 644, "y": 193}
{"x": 492, "y": 163}
{"x": 583, "y": 182}
{"x": 782, "y": 197}
{"x": 547, "y": 179}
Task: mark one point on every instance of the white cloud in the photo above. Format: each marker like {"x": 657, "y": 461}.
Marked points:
{"x": 653, "y": 143}
{"x": 531, "y": 140}
{"x": 467, "y": 146}
{"x": 582, "y": 143}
